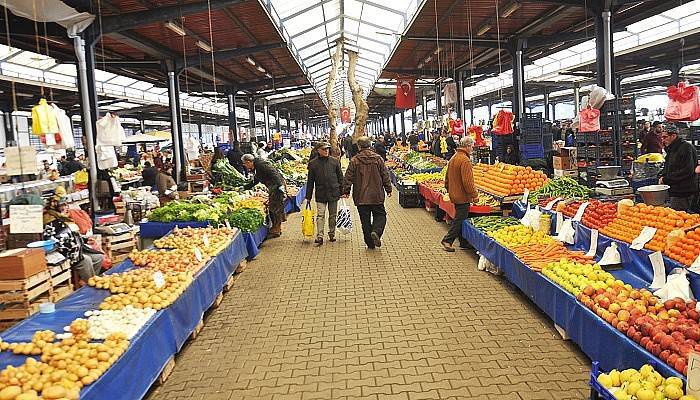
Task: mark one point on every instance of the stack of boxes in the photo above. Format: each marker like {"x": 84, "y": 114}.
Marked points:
{"x": 565, "y": 163}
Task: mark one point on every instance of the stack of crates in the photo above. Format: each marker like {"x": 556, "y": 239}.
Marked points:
{"x": 500, "y": 143}
{"x": 531, "y": 136}
{"x": 409, "y": 197}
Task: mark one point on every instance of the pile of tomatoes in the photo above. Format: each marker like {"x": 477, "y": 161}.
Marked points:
{"x": 630, "y": 221}
{"x": 599, "y": 214}
{"x": 505, "y": 179}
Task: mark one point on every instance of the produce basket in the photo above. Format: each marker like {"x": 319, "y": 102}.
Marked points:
{"x": 597, "y": 390}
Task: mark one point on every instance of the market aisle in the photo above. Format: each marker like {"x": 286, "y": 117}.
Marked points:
{"x": 409, "y": 321}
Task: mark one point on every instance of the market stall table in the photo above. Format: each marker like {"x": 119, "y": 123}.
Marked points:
{"x": 131, "y": 376}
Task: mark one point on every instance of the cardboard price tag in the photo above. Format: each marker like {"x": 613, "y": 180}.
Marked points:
{"x": 198, "y": 254}
{"x": 205, "y": 240}
{"x": 580, "y": 211}
{"x": 692, "y": 386}
{"x": 594, "y": 243}
{"x": 657, "y": 262}
{"x": 644, "y": 237}
{"x": 526, "y": 194}
{"x": 158, "y": 279}
{"x": 228, "y": 225}
{"x": 560, "y": 222}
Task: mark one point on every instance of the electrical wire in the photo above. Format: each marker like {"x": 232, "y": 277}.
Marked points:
{"x": 500, "y": 63}
{"x": 36, "y": 37}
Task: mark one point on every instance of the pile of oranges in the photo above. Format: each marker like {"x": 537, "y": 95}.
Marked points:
{"x": 505, "y": 179}
{"x": 629, "y": 223}
{"x": 685, "y": 250}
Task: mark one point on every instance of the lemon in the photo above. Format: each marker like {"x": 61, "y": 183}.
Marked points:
{"x": 674, "y": 381}
{"x": 605, "y": 380}
{"x": 673, "y": 392}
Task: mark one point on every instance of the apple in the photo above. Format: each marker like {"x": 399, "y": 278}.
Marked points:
{"x": 693, "y": 333}
{"x": 677, "y": 336}
{"x": 680, "y": 364}
{"x": 623, "y": 326}
{"x": 679, "y": 304}
{"x": 672, "y": 359}
{"x": 637, "y": 336}
{"x": 684, "y": 349}
{"x": 657, "y": 338}
{"x": 631, "y": 331}
{"x": 666, "y": 342}
{"x": 674, "y": 313}
{"x": 694, "y": 315}
{"x": 614, "y": 308}
{"x": 604, "y": 302}
{"x": 588, "y": 290}
{"x": 664, "y": 355}
{"x": 649, "y": 346}
{"x": 623, "y": 315}
{"x": 644, "y": 341}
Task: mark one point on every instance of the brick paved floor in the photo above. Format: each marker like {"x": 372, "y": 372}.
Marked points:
{"x": 409, "y": 321}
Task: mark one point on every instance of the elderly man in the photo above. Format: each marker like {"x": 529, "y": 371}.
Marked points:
{"x": 380, "y": 147}
{"x": 679, "y": 170}
{"x": 266, "y": 174}
{"x": 459, "y": 182}
{"x": 325, "y": 174}
{"x": 369, "y": 179}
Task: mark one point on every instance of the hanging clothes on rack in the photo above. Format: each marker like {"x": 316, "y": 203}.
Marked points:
{"x": 43, "y": 119}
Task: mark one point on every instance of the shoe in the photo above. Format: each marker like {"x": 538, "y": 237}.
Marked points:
{"x": 272, "y": 235}
{"x": 447, "y": 247}
{"x": 319, "y": 240}
{"x": 370, "y": 247}
{"x": 331, "y": 238}
{"x": 375, "y": 238}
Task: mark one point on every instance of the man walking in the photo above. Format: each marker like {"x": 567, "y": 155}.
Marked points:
{"x": 325, "y": 174}
{"x": 679, "y": 170}
{"x": 459, "y": 182}
{"x": 266, "y": 174}
{"x": 380, "y": 148}
{"x": 369, "y": 179}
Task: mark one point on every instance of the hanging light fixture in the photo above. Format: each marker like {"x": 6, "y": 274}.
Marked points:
{"x": 175, "y": 27}
{"x": 250, "y": 61}
{"x": 261, "y": 69}
{"x": 483, "y": 29}
{"x": 510, "y": 9}
{"x": 203, "y": 46}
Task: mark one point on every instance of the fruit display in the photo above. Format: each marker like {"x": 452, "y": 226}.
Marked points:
{"x": 538, "y": 256}
{"x": 63, "y": 368}
{"x": 519, "y": 235}
{"x": 569, "y": 207}
{"x": 177, "y": 260}
{"x": 629, "y": 222}
{"x": 686, "y": 248}
{"x": 187, "y": 238}
{"x": 142, "y": 288}
{"x": 486, "y": 199}
{"x": 129, "y": 320}
{"x": 643, "y": 384}
{"x": 247, "y": 219}
{"x": 505, "y": 179}
{"x": 293, "y": 171}
{"x": 424, "y": 177}
{"x": 599, "y": 214}
{"x": 564, "y": 187}
{"x": 492, "y": 223}
{"x": 574, "y": 277}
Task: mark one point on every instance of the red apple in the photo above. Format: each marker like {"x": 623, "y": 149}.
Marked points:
{"x": 664, "y": 355}
{"x": 677, "y": 336}
{"x": 668, "y": 304}
{"x": 604, "y": 302}
{"x": 679, "y": 364}
{"x": 644, "y": 341}
{"x": 666, "y": 342}
{"x": 649, "y": 346}
{"x": 659, "y": 337}
{"x": 588, "y": 290}
{"x": 637, "y": 336}
{"x": 672, "y": 359}
{"x": 623, "y": 326}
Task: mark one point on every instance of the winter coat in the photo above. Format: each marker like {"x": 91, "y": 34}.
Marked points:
{"x": 380, "y": 149}
{"x": 266, "y": 174}
{"x": 679, "y": 168}
{"x": 325, "y": 174}
{"x": 368, "y": 177}
{"x": 459, "y": 179}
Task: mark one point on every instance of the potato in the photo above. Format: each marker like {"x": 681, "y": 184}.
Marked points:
{"x": 10, "y": 393}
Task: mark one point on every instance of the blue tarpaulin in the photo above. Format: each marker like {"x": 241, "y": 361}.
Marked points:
{"x": 253, "y": 240}
{"x": 163, "y": 336}
{"x": 593, "y": 335}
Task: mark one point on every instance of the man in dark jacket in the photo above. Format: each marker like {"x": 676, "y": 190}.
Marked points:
{"x": 679, "y": 170}
{"x": 651, "y": 141}
{"x": 347, "y": 146}
{"x": 266, "y": 174}
{"x": 234, "y": 158}
{"x": 380, "y": 148}
{"x": 369, "y": 179}
{"x": 413, "y": 141}
{"x": 325, "y": 174}
{"x": 72, "y": 165}
{"x": 149, "y": 173}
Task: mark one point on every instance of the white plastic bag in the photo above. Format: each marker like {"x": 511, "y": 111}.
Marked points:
{"x": 192, "y": 148}
{"x": 611, "y": 256}
{"x": 106, "y": 157}
{"x": 677, "y": 285}
{"x": 110, "y": 131}
{"x": 65, "y": 128}
{"x": 485, "y": 265}
{"x": 344, "y": 221}
{"x": 598, "y": 96}
{"x": 531, "y": 218}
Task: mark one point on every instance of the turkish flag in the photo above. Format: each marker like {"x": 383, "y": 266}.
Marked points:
{"x": 405, "y": 93}
{"x": 345, "y": 115}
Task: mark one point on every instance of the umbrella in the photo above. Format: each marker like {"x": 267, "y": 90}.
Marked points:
{"x": 161, "y": 134}
{"x": 142, "y": 138}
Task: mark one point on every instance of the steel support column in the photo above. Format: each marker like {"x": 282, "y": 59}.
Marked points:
{"x": 438, "y": 101}
{"x": 414, "y": 116}
{"x": 175, "y": 124}
{"x": 460, "y": 96}
{"x": 289, "y": 123}
{"x": 199, "y": 131}
{"x": 403, "y": 122}
{"x": 608, "y": 50}
{"x": 546, "y": 103}
{"x": 278, "y": 126}
{"x": 471, "y": 111}
{"x": 425, "y": 107}
{"x": 554, "y": 111}
{"x": 88, "y": 122}
{"x": 577, "y": 99}
{"x": 266, "y": 119}
{"x": 232, "y": 119}
{"x": 142, "y": 125}
{"x": 252, "y": 124}
{"x": 518, "y": 104}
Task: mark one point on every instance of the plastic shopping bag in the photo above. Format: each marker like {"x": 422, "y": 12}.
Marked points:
{"x": 65, "y": 128}
{"x": 307, "y": 221}
{"x": 81, "y": 177}
{"x": 589, "y": 120}
{"x": 106, "y": 157}
{"x": 344, "y": 221}
{"x": 683, "y": 103}
{"x": 110, "y": 131}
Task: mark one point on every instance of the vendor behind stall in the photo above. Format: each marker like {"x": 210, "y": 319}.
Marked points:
{"x": 149, "y": 174}
{"x": 266, "y": 174}
{"x": 60, "y": 227}
{"x": 167, "y": 188}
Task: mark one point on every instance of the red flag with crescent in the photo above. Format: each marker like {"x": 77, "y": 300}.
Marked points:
{"x": 345, "y": 115}
{"x": 405, "y": 93}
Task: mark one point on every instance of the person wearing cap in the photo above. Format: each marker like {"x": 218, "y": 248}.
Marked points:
{"x": 326, "y": 176}
{"x": 380, "y": 148}
{"x": 679, "y": 170}
{"x": 265, "y": 173}
{"x": 651, "y": 141}
{"x": 369, "y": 179}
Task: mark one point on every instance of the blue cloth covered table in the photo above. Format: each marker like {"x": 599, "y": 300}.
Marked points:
{"x": 598, "y": 339}
{"x": 253, "y": 241}
{"x": 163, "y": 336}
{"x": 293, "y": 204}
{"x": 155, "y": 230}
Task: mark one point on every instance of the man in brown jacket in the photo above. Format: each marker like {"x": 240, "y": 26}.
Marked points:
{"x": 459, "y": 182}
{"x": 369, "y": 179}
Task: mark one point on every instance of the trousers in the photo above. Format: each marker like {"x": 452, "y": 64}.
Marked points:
{"x": 332, "y": 207}
{"x": 455, "y": 230}
{"x": 373, "y": 219}
{"x": 89, "y": 265}
{"x": 682, "y": 203}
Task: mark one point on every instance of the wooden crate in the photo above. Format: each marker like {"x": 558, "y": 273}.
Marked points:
{"x": 20, "y": 298}
{"x": 167, "y": 370}
{"x": 118, "y": 247}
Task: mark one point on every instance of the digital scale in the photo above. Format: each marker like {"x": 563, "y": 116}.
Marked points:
{"x": 114, "y": 229}
{"x": 610, "y": 184}
{"x": 55, "y": 258}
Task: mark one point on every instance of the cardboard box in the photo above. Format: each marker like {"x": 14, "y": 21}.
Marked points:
{"x": 21, "y": 263}
{"x": 572, "y": 173}
{"x": 568, "y": 152}
{"x": 563, "y": 163}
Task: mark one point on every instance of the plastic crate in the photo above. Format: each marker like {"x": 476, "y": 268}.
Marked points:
{"x": 407, "y": 189}
{"x": 528, "y": 151}
{"x": 531, "y": 120}
{"x": 547, "y": 142}
{"x": 410, "y": 200}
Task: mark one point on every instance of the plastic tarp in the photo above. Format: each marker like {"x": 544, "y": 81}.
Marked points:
{"x": 592, "y": 334}
{"x": 253, "y": 240}
{"x": 162, "y": 336}
{"x": 156, "y": 230}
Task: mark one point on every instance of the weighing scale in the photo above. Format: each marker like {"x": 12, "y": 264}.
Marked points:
{"x": 55, "y": 258}
{"x": 610, "y": 184}
{"x": 114, "y": 229}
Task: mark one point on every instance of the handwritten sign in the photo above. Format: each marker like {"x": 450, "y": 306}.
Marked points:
{"x": 20, "y": 161}
{"x": 26, "y": 219}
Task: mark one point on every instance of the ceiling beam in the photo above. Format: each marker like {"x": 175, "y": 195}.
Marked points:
{"x": 223, "y": 55}
{"x": 489, "y": 43}
{"x": 126, "y": 21}
{"x": 574, "y": 3}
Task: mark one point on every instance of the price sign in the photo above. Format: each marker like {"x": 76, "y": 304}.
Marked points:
{"x": 695, "y": 266}
{"x": 205, "y": 240}
{"x": 228, "y": 225}
{"x": 644, "y": 237}
{"x": 158, "y": 279}
{"x": 560, "y": 221}
{"x": 657, "y": 262}
{"x": 526, "y": 194}
{"x": 580, "y": 211}
{"x": 198, "y": 254}
{"x": 26, "y": 219}
{"x": 693, "y": 384}
{"x": 594, "y": 243}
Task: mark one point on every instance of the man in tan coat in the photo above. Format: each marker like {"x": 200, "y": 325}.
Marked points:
{"x": 459, "y": 182}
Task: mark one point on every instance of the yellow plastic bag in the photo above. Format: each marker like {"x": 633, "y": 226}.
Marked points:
{"x": 81, "y": 177}
{"x": 307, "y": 221}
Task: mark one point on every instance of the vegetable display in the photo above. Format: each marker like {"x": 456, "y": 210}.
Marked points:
{"x": 186, "y": 211}
{"x": 563, "y": 187}
{"x": 518, "y": 235}
{"x": 229, "y": 177}
{"x": 492, "y": 223}
{"x": 246, "y": 219}
{"x": 538, "y": 256}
